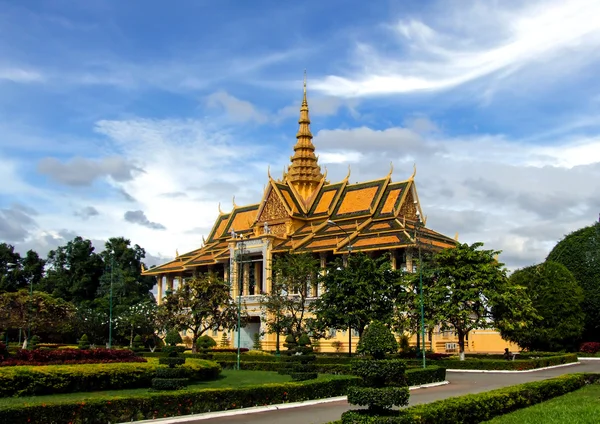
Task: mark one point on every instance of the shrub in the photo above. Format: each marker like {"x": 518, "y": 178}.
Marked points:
{"x": 205, "y": 342}
{"x": 478, "y": 407}
{"x": 84, "y": 342}
{"x": 337, "y": 345}
{"x": 257, "y": 343}
{"x": 168, "y": 372}
{"x": 171, "y": 361}
{"x": 169, "y": 383}
{"x": 590, "y": 347}
{"x": 224, "y": 340}
{"x": 71, "y": 356}
{"x": 34, "y": 342}
{"x": 377, "y": 340}
{"x": 290, "y": 342}
{"x": 404, "y": 344}
{"x": 298, "y": 363}
{"x": 3, "y": 351}
{"x": 152, "y": 405}
{"x": 137, "y": 343}
{"x": 173, "y": 338}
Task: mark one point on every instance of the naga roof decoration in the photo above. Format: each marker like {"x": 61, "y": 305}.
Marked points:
{"x": 294, "y": 212}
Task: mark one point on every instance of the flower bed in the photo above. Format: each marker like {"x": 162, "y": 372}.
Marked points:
{"x": 40, "y": 380}
{"x": 70, "y": 356}
{"x": 478, "y": 407}
{"x": 154, "y": 405}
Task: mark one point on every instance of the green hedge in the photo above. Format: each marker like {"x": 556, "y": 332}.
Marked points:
{"x": 419, "y": 376}
{"x": 53, "y": 379}
{"x": 154, "y": 405}
{"x": 516, "y": 365}
{"x": 477, "y": 407}
{"x": 276, "y": 366}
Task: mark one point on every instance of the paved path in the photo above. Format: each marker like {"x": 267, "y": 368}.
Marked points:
{"x": 460, "y": 384}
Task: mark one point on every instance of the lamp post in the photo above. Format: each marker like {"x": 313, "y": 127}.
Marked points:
{"x": 330, "y": 222}
{"x": 9, "y": 267}
{"x": 241, "y": 246}
{"x": 418, "y": 225}
{"x": 110, "y": 300}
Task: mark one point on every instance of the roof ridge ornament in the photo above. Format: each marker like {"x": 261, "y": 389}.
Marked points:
{"x": 391, "y": 169}
{"x": 412, "y": 177}
{"x": 233, "y": 201}
{"x": 220, "y": 210}
{"x": 349, "y": 172}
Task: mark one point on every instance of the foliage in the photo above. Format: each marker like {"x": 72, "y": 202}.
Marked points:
{"x": 201, "y": 304}
{"x": 580, "y": 253}
{"x": 39, "y": 310}
{"x": 84, "y": 342}
{"x": 66, "y": 356}
{"x": 479, "y": 407}
{"x": 153, "y": 405}
{"x": 205, "y": 342}
{"x": 24, "y": 271}
{"x": 173, "y": 337}
{"x": 590, "y": 347}
{"x": 224, "y": 340}
{"x": 34, "y": 343}
{"x": 377, "y": 340}
{"x": 137, "y": 343}
{"x": 290, "y": 342}
{"x": 499, "y": 364}
{"x": 293, "y": 276}
{"x": 337, "y": 345}
{"x": 36, "y": 381}
{"x": 299, "y": 362}
{"x": 362, "y": 291}
{"x": 420, "y": 376}
{"x": 169, "y": 383}
{"x": 256, "y": 342}
{"x": 404, "y": 343}
{"x": 557, "y": 299}
{"x": 138, "y": 318}
{"x": 471, "y": 291}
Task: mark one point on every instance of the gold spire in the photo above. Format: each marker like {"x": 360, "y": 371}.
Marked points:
{"x": 304, "y": 172}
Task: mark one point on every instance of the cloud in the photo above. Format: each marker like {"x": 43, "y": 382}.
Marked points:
{"x": 16, "y": 222}
{"x": 87, "y": 212}
{"x": 236, "y": 109}
{"x": 458, "y": 45}
{"x": 83, "y": 172}
{"x": 139, "y": 217}
{"x": 20, "y": 75}
{"x": 320, "y": 106}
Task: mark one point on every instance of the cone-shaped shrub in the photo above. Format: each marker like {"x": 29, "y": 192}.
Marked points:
{"x": 300, "y": 359}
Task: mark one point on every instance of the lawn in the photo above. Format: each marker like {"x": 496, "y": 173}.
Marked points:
{"x": 579, "y": 407}
{"x": 228, "y": 378}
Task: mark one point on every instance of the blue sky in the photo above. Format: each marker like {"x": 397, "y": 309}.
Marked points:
{"x": 138, "y": 118}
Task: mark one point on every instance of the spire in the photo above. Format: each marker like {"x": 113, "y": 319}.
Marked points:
{"x": 304, "y": 172}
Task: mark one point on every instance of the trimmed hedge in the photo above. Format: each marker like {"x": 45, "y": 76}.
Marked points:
{"x": 420, "y": 376}
{"x": 29, "y": 381}
{"x": 70, "y": 356}
{"x": 516, "y": 365}
{"x": 154, "y": 405}
{"x": 479, "y": 407}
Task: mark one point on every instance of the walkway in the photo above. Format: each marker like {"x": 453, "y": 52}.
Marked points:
{"x": 460, "y": 384}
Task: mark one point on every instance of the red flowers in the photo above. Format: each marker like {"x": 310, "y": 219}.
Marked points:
{"x": 71, "y": 356}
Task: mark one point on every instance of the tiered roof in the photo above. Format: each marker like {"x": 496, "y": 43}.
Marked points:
{"x": 305, "y": 213}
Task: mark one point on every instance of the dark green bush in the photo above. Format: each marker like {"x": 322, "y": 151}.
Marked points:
{"x": 377, "y": 340}
{"x": 378, "y": 398}
{"x": 420, "y": 376}
{"x": 516, "y": 365}
{"x": 172, "y": 350}
{"x": 171, "y": 362}
{"x": 178, "y": 372}
{"x": 173, "y": 338}
{"x": 390, "y": 372}
{"x": 152, "y": 405}
{"x": 34, "y": 342}
{"x": 205, "y": 342}
{"x": 169, "y": 383}
{"x": 303, "y": 376}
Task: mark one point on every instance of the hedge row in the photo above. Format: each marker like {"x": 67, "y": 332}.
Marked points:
{"x": 154, "y": 405}
{"x": 70, "y": 356}
{"x": 516, "y": 365}
{"x": 29, "y": 381}
{"x": 478, "y": 407}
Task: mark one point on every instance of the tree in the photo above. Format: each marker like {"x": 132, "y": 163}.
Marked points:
{"x": 364, "y": 290}
{"x": 39, "y": 311}
{"x": 11, "y": 278}
{"x": 200, "y": 304}
{"x": 74, "y": 272}
{"x": 138, "y": 319}
{"x": 471, "y": 291}
{"x": 286, "y": 305}
{"x": 557, "y": 299}
{"x": 580, "y": 253}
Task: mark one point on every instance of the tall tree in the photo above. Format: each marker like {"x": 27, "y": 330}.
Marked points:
{"x": 136, "y": 319}
{"x": 11, "y": 278}
{"x": 285, "y": 306}
{"x": 557, "y": 299}
{"x": 74, "y": 272}
{"x": 200, "y": 304}
{"x": 472, "y": 291}
{"x": 362, "y": 291}
{"x": 580, "y": 253}
{"x": 39, "y": 311}
{"x": 33, "y": 268}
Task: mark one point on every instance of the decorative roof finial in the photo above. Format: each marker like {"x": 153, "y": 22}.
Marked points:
{"x": 143, "y": 267}
{"x": 220, "y": 210}
{"x": 412, "y": 177}
{"x": 233, "y": 200}
{"x": 176, "y": 253}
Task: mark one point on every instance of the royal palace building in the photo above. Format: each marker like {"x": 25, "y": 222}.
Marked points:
{"x": 304, "y": 212}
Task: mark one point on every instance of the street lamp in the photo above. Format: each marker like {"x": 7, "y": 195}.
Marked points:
{"x": 241, "y": 247}
{"x": 330, "y": 222}
{"x": 418, "y": 225}
{"x": 110, "y": 304}
{"x": 9, "y": 267}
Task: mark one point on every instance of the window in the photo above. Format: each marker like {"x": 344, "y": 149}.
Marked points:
{"x": 332, "y": 332}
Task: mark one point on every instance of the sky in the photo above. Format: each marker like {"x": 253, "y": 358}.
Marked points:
{"x": 139, "y": 118}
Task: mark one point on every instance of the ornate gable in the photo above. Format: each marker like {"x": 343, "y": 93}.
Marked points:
{"x": 273, "y": 208}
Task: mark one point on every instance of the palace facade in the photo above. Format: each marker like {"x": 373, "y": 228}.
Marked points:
{"x": 304, "y": 212}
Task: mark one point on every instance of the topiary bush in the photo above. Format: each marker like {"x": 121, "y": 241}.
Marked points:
{"x": 257, "y": 343}
{"x": 84, "y": 342}
{"x": 34, "y": 342}
{"x": 384, "y": 381}
{"x": 138, "y": 344}
{"x": 173, "y": 338}
{"x": 300, "y": 360}
{"x": 224, "y": 340}
{"x": 174, "y": 377}
{"x": 205, "y": 343}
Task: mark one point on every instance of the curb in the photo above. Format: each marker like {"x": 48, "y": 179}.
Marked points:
{"x": 257, "y": 409}
{"x": 589, "y": 358}
{"x": 516, "y": 371}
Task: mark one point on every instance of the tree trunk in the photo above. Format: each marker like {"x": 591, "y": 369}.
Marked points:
{"x": 194, "y": 340}
{"x": 461, "y": 344}
{"x": 418, "y": 341}
{"x": 131, "y": 337}
{"x": 25, "y": 342}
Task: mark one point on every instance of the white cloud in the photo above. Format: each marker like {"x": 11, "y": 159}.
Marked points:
{"x": 20, "y": 75}
{"x": 236, "y": 109}
{"x": 453, "y": 50}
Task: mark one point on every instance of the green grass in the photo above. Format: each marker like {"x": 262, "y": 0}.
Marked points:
{"x": 228, "y": 379}
{"x": 579, "y": 407}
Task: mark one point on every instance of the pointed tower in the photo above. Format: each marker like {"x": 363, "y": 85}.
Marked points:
{"x": 304, "y": 173}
